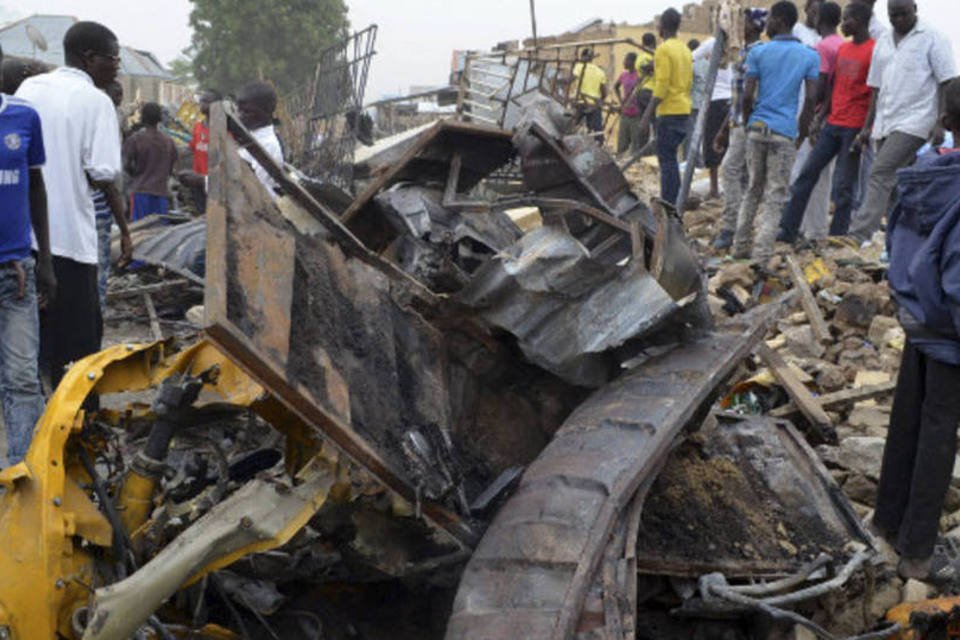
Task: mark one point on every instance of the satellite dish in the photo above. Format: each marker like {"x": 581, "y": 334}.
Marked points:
{"x": 36, "y": 37}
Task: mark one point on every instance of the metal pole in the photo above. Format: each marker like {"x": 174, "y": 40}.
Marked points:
{"x": 533, "y": 21}
{"x": 696, "y": 138}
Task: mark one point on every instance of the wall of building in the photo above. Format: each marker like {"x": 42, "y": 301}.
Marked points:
{"x": 150, "y": 89}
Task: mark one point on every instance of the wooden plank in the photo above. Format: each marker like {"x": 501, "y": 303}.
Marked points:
{"x": 821, "y": 330}
{"x": 840, "y": 398}
{"x": 132, "y": 292}
{"x": 805, "y": 401}
{"x": 154, "y": 320}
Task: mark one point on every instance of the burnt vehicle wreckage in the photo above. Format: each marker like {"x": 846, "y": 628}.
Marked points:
{"x": 475, "y": 401}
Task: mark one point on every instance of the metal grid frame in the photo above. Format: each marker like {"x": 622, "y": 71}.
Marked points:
{"x": 493, "y": 83}
{"x": 323, "y": 137}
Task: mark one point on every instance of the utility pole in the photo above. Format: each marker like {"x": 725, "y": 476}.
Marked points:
{"x": 533, "y": 22}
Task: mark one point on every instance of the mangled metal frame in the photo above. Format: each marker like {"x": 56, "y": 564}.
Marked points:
{"x": 325, "y": 105}
{"x": 495, "y": 85}
{"x": 270, "y": 289}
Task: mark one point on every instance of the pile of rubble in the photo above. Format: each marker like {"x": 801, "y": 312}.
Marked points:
{"x": 552, "y": 411}
{"x": 830, "y": 365}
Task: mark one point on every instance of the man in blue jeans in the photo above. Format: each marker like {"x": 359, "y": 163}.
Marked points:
{"x": 847, "y": 106}
{"x": 776, "y": 71}
{"x": 673, "y": 77}
{"x": 23, "y": 207}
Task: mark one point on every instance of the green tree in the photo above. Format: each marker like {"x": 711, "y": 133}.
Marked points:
{"x": 182, "y": 68}
{"x": 278, "y": 41}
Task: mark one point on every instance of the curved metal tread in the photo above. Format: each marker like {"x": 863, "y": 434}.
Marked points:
{"x": 530, "y": 573}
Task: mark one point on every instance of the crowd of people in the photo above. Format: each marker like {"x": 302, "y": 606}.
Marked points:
{"x": 827, "y": 129}
{"x": 818, "y": 129}
{"x": 69, "y": 172}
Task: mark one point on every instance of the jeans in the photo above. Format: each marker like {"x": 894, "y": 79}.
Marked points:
{"x": 919, "y": 454}
{"x": 19, "y": 350}
{"x": 733, "y": 171}
{"x": 691, "y": 123}
{"x": 671, "y": 130}
{"x": 103, "y": 253}
{"x": 770, "y": 157}
{"x": 896, "y": 151}
{"x": 834, "y": 142}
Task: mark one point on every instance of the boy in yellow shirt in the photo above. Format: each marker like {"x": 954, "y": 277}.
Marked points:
{"x": 590, "y": 89}
{"x": 673, "y": 78}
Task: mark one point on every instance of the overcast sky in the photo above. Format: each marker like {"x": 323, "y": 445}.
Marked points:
{"x": 416, "y": 37}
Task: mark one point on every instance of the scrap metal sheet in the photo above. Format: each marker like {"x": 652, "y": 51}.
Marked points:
{"x": 568, "y": 311}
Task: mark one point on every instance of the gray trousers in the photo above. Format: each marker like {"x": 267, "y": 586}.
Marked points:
{"x": 629, "y": 135}
{"x": 770, "y": 157}
{"x": 816, "y": 219}
{"x": 733, "y": 171}
{"x": 896, "y": 151}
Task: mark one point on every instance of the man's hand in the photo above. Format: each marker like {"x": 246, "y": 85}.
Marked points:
{"x": 861, "y": 141}
{"x": 126, "y": 249}
{"x": 721, "y": 141}
{"x": 46, "y": 282}
{"x": 815, "y": 130}
{"x": 645, "y": 123}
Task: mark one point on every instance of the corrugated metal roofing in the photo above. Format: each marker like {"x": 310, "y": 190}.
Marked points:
{"x": 16, "y": 42}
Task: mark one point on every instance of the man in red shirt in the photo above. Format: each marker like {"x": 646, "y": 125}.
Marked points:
{"x": 199, "y": 145}
{"x": 847, "y": 105}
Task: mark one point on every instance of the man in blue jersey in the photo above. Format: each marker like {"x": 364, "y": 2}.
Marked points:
{"x": 776, "y": 72}
{"x": 23, "y": 207}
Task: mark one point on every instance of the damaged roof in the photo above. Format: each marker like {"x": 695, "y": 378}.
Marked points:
{"x": 15, "y": 39}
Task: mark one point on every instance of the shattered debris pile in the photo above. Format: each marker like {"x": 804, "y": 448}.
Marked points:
{"x": 484, "y": 390}
{"x": 754, "y": 484}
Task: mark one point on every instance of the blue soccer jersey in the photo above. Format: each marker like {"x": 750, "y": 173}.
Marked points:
{"x": 21, "y": 148}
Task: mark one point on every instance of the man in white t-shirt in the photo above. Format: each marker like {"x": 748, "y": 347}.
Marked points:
{"x": 911, "y": 65}
{"x": 806, "y": 31}
{"x": 256, "y": 103}
{"x": 82, "y": 142}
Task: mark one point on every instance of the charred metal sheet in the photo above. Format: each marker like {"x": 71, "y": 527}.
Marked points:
{"x": 178, "y": 248}
{"x": 570, "y": 166}
{"x": 568, "y": 310}
{"x": 438, "y": 246}
{"x": 481, "y": 150}
{"x": 771, "y": 504}
{"x": 576, "y": 167}
{"x": 362, "y": 351}
{"x": 529, "y": 575}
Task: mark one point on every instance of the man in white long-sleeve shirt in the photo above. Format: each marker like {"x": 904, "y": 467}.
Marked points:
{"x": 82, "y": 142}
